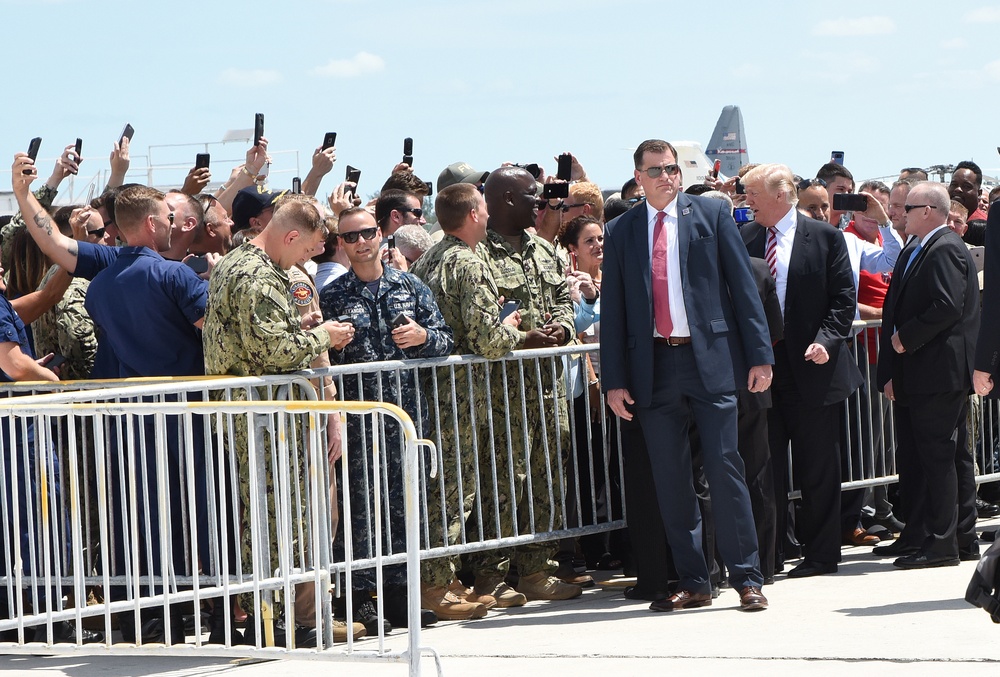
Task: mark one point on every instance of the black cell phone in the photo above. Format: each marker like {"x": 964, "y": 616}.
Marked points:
{"x": 508, "y": 309}
{"x": 258, "y": 128}
{"x": 533, "y": 169}
{"x": 565, "y": 170}
{"x": 33, "y": 146}
{"x": 329, "y": 140}
{"x": 346, "y": 319}
{"x": 740, "y": 190}
{"x": 850, "y": 202}
{"x": 430, "y": 187}
{"x": 551, "y": 191}
{"x": 202, "y": 160}
{"x": 391, "y": 242}
{"x": 408, "y": 151}
{"x": 837, "y": 157}
{"x": 198, "y": 264}
{"x": 296, "y": 185}
{"x": 127, "y": 133}
{"x": 354, "y": 176}
{"x": 743, "y": 215}
{"x": 399, "y": 320}
{"x": 78, "y": 150}
{"x": 56, "y": 361}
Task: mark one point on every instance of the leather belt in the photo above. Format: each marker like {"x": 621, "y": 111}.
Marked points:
{"x": 673, "y": 340}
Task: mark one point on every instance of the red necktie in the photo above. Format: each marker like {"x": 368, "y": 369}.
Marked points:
{"x": 661, "y": 291}
{"x": 771, "y": 252}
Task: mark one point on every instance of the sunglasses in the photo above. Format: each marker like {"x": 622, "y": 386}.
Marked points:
{"x": 654, "y": 172}
{"x": 808, "y": 183}
{"x": 908, "y": 208}
{"x": 417, "y": 212}
{"x": 97, "y": 232}
{"x": 352, "y": 237}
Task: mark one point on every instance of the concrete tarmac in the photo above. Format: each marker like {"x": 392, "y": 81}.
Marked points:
{"x": 869, "y": 619}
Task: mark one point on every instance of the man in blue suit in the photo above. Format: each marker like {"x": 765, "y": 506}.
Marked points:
{"x": 682, "y": 329}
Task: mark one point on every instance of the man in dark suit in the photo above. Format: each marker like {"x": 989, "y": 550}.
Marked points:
{"x": 682, "y": 329}
{"x": 929, "y": 326}
{"x": 988, "y": 345}
{"x": 813, "y": 370}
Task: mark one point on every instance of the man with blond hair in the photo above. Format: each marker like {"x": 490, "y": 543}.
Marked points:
{"x": 813, "y": 369}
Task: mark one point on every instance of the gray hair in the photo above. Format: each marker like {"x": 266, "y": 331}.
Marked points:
{"x": 412, "y": 241}
{"x": 719, "y": 195}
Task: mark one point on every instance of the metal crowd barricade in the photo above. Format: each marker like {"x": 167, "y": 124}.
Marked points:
{"x": 160, "y": 549}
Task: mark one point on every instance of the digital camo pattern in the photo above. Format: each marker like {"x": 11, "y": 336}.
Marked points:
{"x": 67, "y": 329}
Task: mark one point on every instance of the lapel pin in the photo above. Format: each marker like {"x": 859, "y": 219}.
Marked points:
{"x": 685, "y": 211}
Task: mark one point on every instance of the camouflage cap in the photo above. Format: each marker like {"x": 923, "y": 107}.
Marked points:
{"x": 459, "y": 172}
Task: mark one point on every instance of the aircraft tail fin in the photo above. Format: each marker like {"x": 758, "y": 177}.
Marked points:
{"x": 728, "y": 142}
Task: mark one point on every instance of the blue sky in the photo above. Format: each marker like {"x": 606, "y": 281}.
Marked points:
{"x": 891, "y": 83}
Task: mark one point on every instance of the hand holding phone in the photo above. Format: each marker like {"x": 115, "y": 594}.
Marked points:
{"x": 408, "y": 151}
{"x": 565, "y": 169}
{"x": 329, "y": 140}
{"x": 258, "y": 128}
{"x": 354, "y": 176}
{"x": 78, "y": 150}
{"x": 202, "y": 160}
{"x": 715, "y": 169}
{"x": 554, "y": 191}
{"x": 127, "y": 133}
{"x": 33, "y": 146}
{"x": 400, "y": 320}
{"x": 508, "y": 308}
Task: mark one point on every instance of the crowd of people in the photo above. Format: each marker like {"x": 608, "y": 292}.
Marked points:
{"x": 723, "y": 346}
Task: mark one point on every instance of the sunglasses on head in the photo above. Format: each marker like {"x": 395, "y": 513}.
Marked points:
{"x": 352, "y": 237}
{"x": 808, "y": 183}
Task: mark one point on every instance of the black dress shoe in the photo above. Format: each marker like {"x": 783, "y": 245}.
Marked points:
{"x": 897, "y": 548}
{"x": 810, "y": 568}
{"x": 969, "y": 553}
{"x": 640, "y": 593}
{"x": 985, "y": 509}
{"x": 305, "y": 638}
{"x": 923, "y": 560}
{"x": 65, "y": 632}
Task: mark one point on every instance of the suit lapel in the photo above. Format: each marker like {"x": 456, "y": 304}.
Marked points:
{"x": 802, "y": 246}
{"x": 639, "y": 233}
{"x": 920, "y": 256}
{"x": 683, "y": 235}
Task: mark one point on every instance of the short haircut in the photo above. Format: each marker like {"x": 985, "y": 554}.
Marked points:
{"x": 906, "y": 183}
{"x": 347, "y": 213}
{"x": 832, "y": 170}
{"x": 914, "y": 171}
{"x": 719, "y": 195}
{"x": 746, "y": 168}
{"x": 774, "y": 178}
{"x": 697, "y": 189}
{"x": 936, "y": 195}
{"x": 588, "y": 193}
{"x": 392, "y": 199}
{"x": 628, "y": 188}
{"x": 407, "y": 181}
{"x": 110, "y": 198}
{"x": 873, "y": 186}
{"x": 994, "y": 194}
{"x": 973, "y": 167}
{"x": 61, "y": 217}
{"x": 134, "y": 204}
{"x": 412, "y": 240}
{"x": 454, "y": 203}
{"x": 296, "y": 211}
{"x": 194, "y": 205}
{"x": 571, "y": 233}
{"x": 959, "y": 209}
{"x": 615, "y": 207}
{"x": 652, "y": 146}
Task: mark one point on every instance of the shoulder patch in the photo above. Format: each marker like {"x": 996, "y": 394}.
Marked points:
{"x": 302, "y": 293}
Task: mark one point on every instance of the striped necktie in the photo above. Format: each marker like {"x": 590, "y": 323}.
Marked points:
{"x": 771, "y": 251}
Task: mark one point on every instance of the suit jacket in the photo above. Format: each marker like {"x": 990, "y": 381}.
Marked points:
{"x": 935, "y": 308}
{"x": 988, "y": 344}
{"x": 820, "y": 304}
{"x": 728, "y": 329}
{"x": 768, "y": 293}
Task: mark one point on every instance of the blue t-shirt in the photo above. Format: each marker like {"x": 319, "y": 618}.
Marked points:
{"x": 146, "y": 308}
{"x": 12, "y": 331}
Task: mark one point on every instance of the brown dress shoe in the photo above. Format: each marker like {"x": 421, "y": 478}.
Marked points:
{"x": 752, "y": 599}
{"x": 682, "y": 599}
{"x": 860, "y": 537}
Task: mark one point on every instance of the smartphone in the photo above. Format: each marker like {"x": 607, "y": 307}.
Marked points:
{"x": 198, "y": 264}
{"x": 296, "y": 185}
{"x": 33, "y": 146}
{"x": 551, "y": 191}
{"x": 408, "y": 151}
{"x": 346, "y": 319}
{"x": 399, "y": 320}
{"x": 202, "y": 160}
{"x": 78, "y": 151}
{"x": 715, "y": 169}
{"x": 354, "y": 176}
{"x": 743, "y": 215}
{"x": 565, "y": 170}
{"x": 850, "y": 202}
{"x": 508, "y": 309}
{"x": 837, "y": 157}
{"x": 56, "y": 361}
{"x": 533, "y": 169}
{"x": 127, "y": 133}
{"x": 329, "y": 140}
{"x": 740, "y": 190}
{"x": 258, "y": 128}
{"x": 572, "y": 261}
{"x": 430, "y": 187}
{"x": 391, "y": 241}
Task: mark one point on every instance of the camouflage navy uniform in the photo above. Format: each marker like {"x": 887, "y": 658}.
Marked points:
{"x": 372, "y": 314}
{"x": 539, "y": 420}
{"x": 252, "y": 329}
{"x": 469, "y": 301}
{"x": 67, "y": 329}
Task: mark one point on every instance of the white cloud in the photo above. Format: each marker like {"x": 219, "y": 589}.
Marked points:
{"x": 236, "y": 77}
{"x": 360, "y": 64}
{"x": 983, "y": 15}
{"x": 954, "y": 43}
{"x": 865, "y": 25}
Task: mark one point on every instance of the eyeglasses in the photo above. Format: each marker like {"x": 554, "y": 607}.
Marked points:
{"x": 417, "y": 212}
{"x": 654, "y": 172}
{"x": 907, "y": 208}
{"x": 97, "y": 232}
{"x": 809, "y": 183}
{"x": 352, "y": 237}
{"x": 565, "y": 207}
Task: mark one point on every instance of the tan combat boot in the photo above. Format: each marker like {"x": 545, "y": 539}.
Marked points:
{"x": 542, "y": 586}
{"x": 448, "y": 606}
{"x": 469, "y": 595}
{"x": 504, "y": 595}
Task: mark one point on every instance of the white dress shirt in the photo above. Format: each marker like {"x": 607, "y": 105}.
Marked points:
{"x": 783, "y": 252}
{"x": 678, "y": 314}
